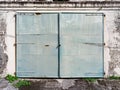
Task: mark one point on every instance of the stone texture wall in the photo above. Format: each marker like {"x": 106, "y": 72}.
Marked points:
{"x": 67, "y": 84}
{"x": 114, "y": 63}
{"x": 5, "y": 85}
{"x": 3, "y": 55}
{"x": 80, "y": 84}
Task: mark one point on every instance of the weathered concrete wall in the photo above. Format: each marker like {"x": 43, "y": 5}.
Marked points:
{"x": 67, "y": 84}
{"x": 32, "y": 5}
{"x": 111, "y": 30}
{"x": 111, "y": 39}
{"x": 79, "y": 84}
{"x": 3, "y": 46}
{"x": 114, "y": 63}
{"x": 5, "y": 85}
{"x": 112, "y": 36}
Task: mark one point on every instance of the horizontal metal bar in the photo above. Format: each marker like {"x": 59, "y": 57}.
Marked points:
{"x": 96, "y": 44}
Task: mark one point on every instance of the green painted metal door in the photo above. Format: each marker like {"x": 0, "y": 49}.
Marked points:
{"x": 37, "y": 35}
{"x": 59, "y": 45}
{"x": 81, "y": 51}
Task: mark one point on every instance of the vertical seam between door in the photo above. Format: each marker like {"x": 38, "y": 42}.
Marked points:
{"x": 58, "y": 45}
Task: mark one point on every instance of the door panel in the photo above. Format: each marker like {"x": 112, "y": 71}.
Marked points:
{"x": 36, "y": 45}
{"x": 37, "y": 24}
{"x": 81, "y": 45}
{"x": 81, "y": 51}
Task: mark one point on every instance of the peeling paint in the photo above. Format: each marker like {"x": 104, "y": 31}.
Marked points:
{"x": 3, "y": 55}
{"x": 114, "y": 64}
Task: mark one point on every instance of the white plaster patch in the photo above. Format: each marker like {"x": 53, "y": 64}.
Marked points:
{"x": 60, "y": 80}
{"x": 10, "y": 41}
{"x": 117, "y": 70}
{"x": 66, "y": 83}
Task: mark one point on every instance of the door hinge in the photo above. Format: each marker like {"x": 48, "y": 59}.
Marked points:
{"x": 14, "y": 44}
{"x": 15, "y": 73}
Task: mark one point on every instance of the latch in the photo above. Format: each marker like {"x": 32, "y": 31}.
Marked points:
{"x": 58, "y": 46}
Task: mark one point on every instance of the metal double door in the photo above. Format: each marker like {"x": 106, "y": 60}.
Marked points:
{"x": 59, "y": 45}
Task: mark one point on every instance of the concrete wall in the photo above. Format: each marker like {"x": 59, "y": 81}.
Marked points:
{"x": 60, "y": 0}
{"x": 3, "y": 45}
{"x": 111, "y": 32}
{"x": 79, "y": 84}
